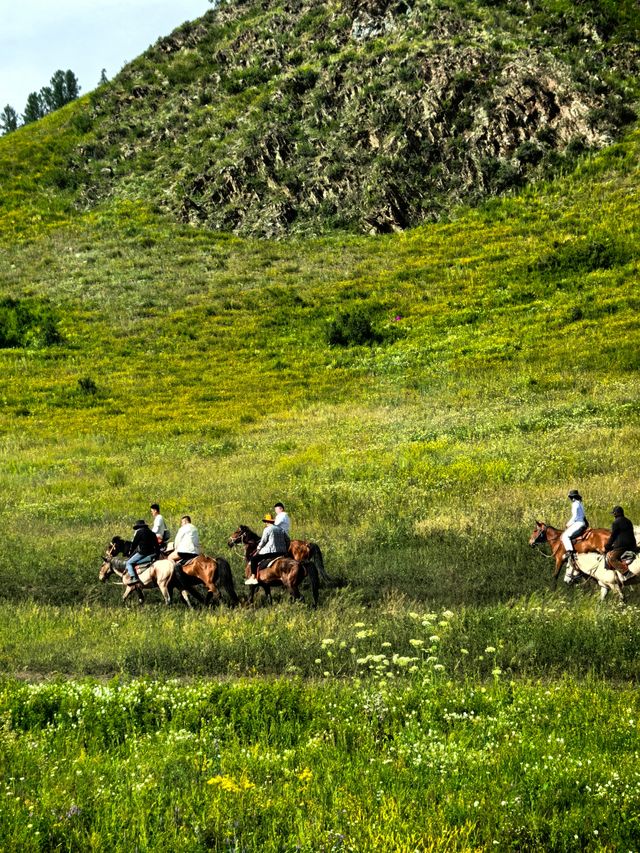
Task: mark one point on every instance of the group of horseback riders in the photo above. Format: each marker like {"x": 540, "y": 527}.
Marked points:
{"x": 621, "y": 540}
{"x": 149, "y": 543}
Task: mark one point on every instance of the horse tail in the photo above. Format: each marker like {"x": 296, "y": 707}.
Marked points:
{"x": 317, "y": 559}
{"x": 225, "y": 580}
{"x": 314, "y": 580}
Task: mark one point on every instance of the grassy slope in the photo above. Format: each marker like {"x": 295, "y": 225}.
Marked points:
{"x": 509, "y": 377}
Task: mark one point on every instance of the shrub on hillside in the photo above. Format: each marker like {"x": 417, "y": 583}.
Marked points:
{"x": 26, "y": 323}
{"x": 584, "y": 256}
{"x": 352, "y": 328}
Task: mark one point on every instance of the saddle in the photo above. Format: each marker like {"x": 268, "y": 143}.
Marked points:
{"x": 265, "y": 564}
{"x": 581, "y": 534}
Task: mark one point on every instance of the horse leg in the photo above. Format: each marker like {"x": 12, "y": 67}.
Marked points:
{"x": 294, "y": 591}
{"x": 163, "y": 586}
{"x": 267, "y": 591}
{"x": 186, "y": 599}
{"x": 213, "y": 596}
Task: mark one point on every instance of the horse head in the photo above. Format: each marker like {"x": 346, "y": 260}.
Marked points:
{"x": 242, "y": 536}
{"x": 106, "y": 569}
{"x": 539, "y": 535}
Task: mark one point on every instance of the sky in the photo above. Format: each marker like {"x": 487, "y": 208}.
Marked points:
{"x": 38, "y": 37}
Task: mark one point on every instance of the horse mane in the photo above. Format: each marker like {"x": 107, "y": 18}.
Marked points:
{"x": 249, "y": 531}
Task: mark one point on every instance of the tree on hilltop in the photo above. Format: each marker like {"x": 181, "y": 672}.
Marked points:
{"x": 62, "y": 89}
{"x": 33, "y": 110}
{"x": 8, "y": 119}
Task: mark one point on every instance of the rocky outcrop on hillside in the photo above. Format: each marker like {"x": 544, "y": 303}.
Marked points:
{"x": 269, "y": 118}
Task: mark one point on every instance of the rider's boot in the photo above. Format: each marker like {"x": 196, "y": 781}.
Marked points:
{"x": 252, "y": 580}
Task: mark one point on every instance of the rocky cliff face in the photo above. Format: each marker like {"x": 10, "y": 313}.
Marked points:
{"x": 269, "y": 118}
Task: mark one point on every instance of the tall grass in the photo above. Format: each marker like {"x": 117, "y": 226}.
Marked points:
{"x": 419, "y": 765}
{"x": 545, "y": 636}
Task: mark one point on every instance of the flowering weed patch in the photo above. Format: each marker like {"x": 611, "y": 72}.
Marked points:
{"x": 370, "y": 767}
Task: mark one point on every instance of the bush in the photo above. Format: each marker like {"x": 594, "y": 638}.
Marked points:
{"x": 584, "y": 256}
{"x": 352, "y": 328}
{"x": 27, "y": 323}
{"x": 87, "y": 386}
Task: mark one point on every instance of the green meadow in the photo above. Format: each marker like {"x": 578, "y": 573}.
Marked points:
{"x": 416, "y": 400}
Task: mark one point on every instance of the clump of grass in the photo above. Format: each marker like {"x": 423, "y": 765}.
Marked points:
{"x": 353, "y": 327}
{"x": 28, "y": 323}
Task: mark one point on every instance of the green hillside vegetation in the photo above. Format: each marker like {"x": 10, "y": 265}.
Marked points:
{"x": 498, "y": 369}
{"x": 416, "y": 399}
{"x": 265, "y": 118}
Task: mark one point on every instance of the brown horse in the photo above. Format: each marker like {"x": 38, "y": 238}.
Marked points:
{"x": 214, "y": 573}
{"x": 160, "y": 574}
{"x": 299, "y": 549}
{"x": 283, "y": 571}
{"x": 288, "y": 573}
{"x": 592, "y": 540}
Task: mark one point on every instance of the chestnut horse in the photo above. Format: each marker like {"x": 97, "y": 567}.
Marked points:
{"x": 213, "y": 572}
{"x": 593, "y": 539}
{"x": 299, "y": 549}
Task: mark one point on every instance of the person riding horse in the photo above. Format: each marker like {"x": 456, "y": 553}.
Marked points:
{"x": 282, "y": 519}
{"x": 159, "y": 527}
{"x": 186, "y": 545}
{"x": 273, "y": 543}
{"x": 622, "y": 539}
{"x": 576, "y": 525}
{"x": 144, "y": 548}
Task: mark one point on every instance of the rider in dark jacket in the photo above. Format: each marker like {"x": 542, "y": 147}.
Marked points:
{"x": 144, "y": 544}
{"x": 622, "y": 539}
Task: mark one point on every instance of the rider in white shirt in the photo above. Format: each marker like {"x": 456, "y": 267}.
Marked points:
{"x": 159, "y": 527}
{"x": 282, "y": 518}
{"x": 577, "y": 523}
{"x": 186, "y": 545}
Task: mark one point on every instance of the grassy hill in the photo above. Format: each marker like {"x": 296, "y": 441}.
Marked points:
{"x": 267, "y": 119}
{"x": 416, "y": 399}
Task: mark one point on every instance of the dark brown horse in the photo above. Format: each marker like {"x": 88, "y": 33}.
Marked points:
{"x": 288, "y": 573}
{"x": 299, "y": 549}
{"x": 283, "y": 571}
{"x": 119, "y": 546}
{"x": 592, "y": 540}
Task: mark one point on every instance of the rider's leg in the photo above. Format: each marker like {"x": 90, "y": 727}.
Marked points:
{"x": 569, "y": 534}
{"x": 133, "y": 560}
{"x": 614, "y": 562}
{"x": 253, "y": 564}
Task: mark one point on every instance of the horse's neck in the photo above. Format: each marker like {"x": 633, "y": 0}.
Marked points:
{"x": 251, "y": 540}
{"x": 553, "y": 538}
{"x": 118, "y": 566}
